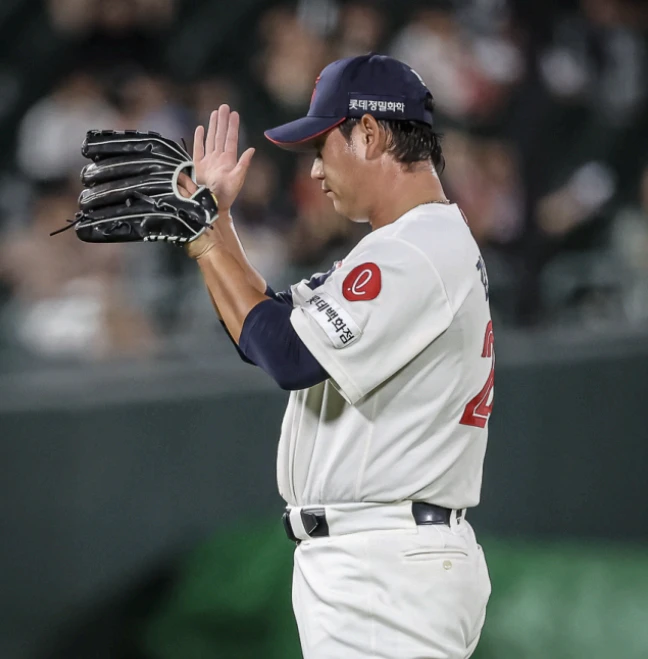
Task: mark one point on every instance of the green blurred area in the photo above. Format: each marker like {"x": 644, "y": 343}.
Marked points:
{"x": 550, "y": 600}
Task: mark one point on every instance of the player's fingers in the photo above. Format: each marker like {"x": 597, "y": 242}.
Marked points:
{"x": 221, "y": 130}
{"x": 187, "y": 181}
{"x": 231, "y": 142}
{"x": 199, "y": 144}
{"x": 186, "y": 186}
{"x": 211, "y": 132}
{"x": 244, "y": 162}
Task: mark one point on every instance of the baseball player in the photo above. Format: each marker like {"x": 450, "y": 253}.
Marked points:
{"x": 389, "y": 360}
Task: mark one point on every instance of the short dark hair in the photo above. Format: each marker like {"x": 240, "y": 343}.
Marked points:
{"x": 408, "y": 141}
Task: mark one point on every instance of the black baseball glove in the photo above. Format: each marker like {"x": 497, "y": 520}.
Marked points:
{"x": 131, "y": 191}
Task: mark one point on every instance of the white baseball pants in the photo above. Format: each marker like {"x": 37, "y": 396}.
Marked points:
{"x": 411, "y": 593}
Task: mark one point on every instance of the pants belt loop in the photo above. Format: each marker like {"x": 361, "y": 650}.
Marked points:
{"x": 457, "y": 517}
{"x": 297, "y": 524}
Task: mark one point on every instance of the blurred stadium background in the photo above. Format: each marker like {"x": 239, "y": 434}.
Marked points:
{"x": 138, "y": 508}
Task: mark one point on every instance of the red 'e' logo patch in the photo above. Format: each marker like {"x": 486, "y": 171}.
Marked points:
{"x": 362, "y": 283}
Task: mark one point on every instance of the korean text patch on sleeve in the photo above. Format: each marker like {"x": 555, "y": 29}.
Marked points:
{"x": 337, "y": 323}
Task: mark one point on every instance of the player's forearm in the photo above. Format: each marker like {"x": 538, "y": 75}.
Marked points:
{"x": 216, "y": 309}
{"x": 229, "y": 238}
{"x": 233, "y": 244}
{"x": 229, "y": 288}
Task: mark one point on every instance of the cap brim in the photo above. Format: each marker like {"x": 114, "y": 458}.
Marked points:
{"x": 298, "y": 135}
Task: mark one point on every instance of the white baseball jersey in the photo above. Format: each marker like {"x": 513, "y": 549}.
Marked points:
{"x": 403, "y": 328}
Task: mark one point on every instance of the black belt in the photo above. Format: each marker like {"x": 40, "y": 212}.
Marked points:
{"x": 316, "y": 526}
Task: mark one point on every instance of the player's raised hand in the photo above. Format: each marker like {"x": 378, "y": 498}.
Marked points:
{"x": 216, "y": 157}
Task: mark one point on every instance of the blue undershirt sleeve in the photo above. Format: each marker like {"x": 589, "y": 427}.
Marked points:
{"x": 240, "y": 352}
{"x": 284, "y": 296}
{"x": 281, "y": 297}
{"x": 269, "y": 340}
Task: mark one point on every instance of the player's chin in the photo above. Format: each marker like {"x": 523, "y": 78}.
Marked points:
{"x": 339, "y": 206}
{"x": 345, "y": 211}
{"x": 356, "y": 216}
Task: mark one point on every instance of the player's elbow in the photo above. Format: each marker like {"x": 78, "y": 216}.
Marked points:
{"x": 288, "y": 384}
{"x": 269, "y": 340}
{"x": 296, "y": 380}
{"x": 294, "y": 369}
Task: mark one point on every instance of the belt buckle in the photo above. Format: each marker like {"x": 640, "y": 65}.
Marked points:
{"x": 315, "y": 523}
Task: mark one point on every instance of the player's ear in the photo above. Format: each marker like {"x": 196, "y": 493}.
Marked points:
{"x": 373, "y": 137}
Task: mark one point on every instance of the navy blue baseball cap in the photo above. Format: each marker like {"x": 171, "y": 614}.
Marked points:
{"x": 369, "y": 84}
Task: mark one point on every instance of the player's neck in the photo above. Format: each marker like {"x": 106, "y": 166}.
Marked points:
{"x": 409, "y": 190}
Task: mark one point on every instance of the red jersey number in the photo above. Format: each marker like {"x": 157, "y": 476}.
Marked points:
{"x": 479, "y": 408}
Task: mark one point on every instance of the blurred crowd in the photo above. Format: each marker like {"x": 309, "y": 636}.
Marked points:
{"x": 543, "y": 107}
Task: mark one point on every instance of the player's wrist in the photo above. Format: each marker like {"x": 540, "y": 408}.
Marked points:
{"x": 205, "y": 243}
{"x": 225, "y": 215}
{"x": 224, "y": 211}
